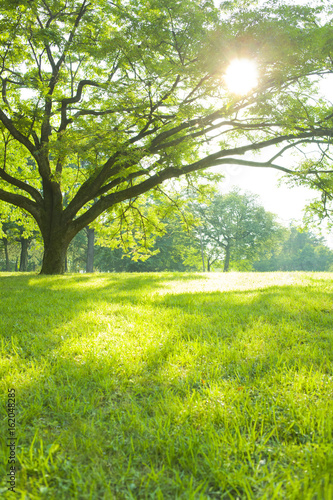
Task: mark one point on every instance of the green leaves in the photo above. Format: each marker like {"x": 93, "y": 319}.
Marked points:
{"x": 134, "y": 94}
{"x": 234, "y": 227}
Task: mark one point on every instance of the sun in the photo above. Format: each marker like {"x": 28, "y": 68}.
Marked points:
{"x": 241, "y": 76}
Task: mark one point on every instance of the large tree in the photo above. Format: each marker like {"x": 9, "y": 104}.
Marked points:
{"x": 105, "y": 100}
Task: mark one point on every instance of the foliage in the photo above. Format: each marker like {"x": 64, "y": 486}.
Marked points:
{"x": 173, "y": 251}
{"x": 234, "y": 227}
{"x": 104, "y": 101}
{"x": 316, "y": 173}
{"x": 11, "y": 245}
{"x": 9, "y": 253}
{"x": 77, "y": 253}
{"x": 17, "y": 227}
{"x": 169, "y": 386}
{"x": 301, "y": 251}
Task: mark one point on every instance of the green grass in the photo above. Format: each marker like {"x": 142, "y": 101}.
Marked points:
{"x": 169, "y": 386}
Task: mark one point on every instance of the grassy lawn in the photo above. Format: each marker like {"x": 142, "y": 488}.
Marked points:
{"x": 169, "y": 386}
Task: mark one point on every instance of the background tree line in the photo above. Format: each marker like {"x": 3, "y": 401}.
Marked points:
{"x": 230, "y": 232}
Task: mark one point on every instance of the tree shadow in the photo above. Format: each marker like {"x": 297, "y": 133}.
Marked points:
{"x": 207, "y": 346}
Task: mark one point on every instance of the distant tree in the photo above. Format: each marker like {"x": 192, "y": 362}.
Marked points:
{"x": 177, "y": 249}
{"x": 174, "y": 250}
{"x": 11, "y": 247}
{"x": 17, "y": 226}
{"x": 90, "y": 231}
{"x": 25, "y": 242}
{"x": 15, "y": 238}
{"x": 301, "y": 251}
{"x": 76, "y": 258}
{"x": 316, "y": 173}
{"x": 4, "y": 241}
{"x": 234, "y": 227}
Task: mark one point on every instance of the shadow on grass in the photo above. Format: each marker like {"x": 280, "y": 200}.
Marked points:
{"x": 283, "y": 319}
{"x": 135, "y": 397}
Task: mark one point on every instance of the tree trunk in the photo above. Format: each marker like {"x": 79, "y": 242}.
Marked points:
{"x": 208, "y": 265}
{"x": 54, "y": 256}
{"x": 90, "y": 250}
{"x": 5, "y": 243}
{"x": 202, "y": 253}
{"x": 226, "y": 259}
{"x": 24, "y": 255}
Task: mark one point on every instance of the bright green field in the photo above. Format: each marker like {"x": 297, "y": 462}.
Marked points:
{"x": 169, "y": 386}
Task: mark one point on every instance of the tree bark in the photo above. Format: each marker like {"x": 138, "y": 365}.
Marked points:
{"x": 24, "y": 255}
{"x": 56, "y": 231}
{"x": 226, "y": 259}
{"x": 202, "y": 253}
{"x": 54, "y": 257}
{"x": 90, "y": 250}
{"x": 5, "y": 243}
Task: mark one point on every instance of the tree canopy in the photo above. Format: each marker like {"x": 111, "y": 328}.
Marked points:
{"x": 234, "y": 227}
{"x": 103, "y": 100}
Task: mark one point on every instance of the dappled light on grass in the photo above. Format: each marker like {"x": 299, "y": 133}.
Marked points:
{"x": 230, "y": 281}
{"x": 214, "y": 385}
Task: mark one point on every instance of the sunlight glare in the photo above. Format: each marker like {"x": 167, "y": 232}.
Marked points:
{"x": 241, "y": 76}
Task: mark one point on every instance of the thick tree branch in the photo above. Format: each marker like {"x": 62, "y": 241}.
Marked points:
{"x": 4, "y": 92}
{"x": 211, "y": 160}
{"x": 21, "y": 185}
{"x": 71, "y": 100}
{"x": 206, "y": 121}
{"x": 16, "y": 133}
{"x": 47, "y": 47}
{"x": 93, "y": 188}
{"x": 120, "y": 180}
{"x": 222, "y": 157}
{"x": 45, "y": 129}
{"x": 194, "y": 133}
{"x": 22, "y": 202}
{"x": 81, "y": 13}
{"x": 247, "y": 163}
{"x": 154, "y": 107}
